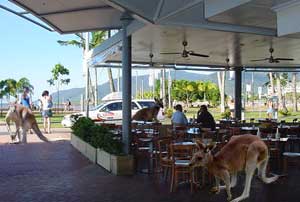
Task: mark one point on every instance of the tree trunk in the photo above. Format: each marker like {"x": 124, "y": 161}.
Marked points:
{"x": 221, "y": 84}
{"x": 271, "y": 83}
{"x": 111, "y": 80}
{"x": 294, "y": 83}
{"x": 279, "y": 93}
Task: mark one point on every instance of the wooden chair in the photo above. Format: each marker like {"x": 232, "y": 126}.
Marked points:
{"x": 267, "y": 132}
{"x": 181, "y": 155}
{"x": 142, "y": 150}
{"x": 274, "y": 152}
{"x": 164, "y": 156}
{"x": 290, "y": 157}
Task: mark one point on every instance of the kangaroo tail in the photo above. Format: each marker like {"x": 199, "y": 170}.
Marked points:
{"x": 39, "y": 133}
{"x": 262, "y": 172}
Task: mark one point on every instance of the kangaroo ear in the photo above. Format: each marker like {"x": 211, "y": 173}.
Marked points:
{"x": 199, "y": 144}
{"x": 211, "y": 146}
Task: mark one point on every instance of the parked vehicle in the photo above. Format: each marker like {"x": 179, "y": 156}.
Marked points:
{"x": 112, "y": 111}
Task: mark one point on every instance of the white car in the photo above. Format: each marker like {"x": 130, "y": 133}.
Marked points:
{"x": 112, "y": 111}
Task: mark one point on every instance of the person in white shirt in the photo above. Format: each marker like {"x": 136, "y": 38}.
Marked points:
{"x": 178, "y": 117}
{"x": 47, "y": 104}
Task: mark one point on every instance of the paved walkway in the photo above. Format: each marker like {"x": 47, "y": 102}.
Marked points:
{"x": 55, "y": 172}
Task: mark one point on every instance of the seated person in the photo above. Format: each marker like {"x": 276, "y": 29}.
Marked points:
{"x": 178, "y": 117}
{"x": 205, "y": 118}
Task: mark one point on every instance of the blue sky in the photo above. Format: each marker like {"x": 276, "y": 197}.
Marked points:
{"x": 28, "y": 50}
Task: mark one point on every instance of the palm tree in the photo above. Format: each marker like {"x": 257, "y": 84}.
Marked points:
{"x": 97, "y": 38}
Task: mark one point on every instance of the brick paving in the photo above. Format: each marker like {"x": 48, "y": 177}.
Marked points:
{"x": 56, "y": 172}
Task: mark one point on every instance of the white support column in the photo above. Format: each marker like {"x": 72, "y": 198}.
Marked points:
{"x": 87, "y": 74}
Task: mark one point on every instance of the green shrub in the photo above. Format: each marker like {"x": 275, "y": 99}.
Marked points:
{"x": 226, "y": 114}
{"x": 83, "y": 128}
{"x": 284, "y": 112}
{"x": 97, "y": 135}
{"x": 169, "y": 112}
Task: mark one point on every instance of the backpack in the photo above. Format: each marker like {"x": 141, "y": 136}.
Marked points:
{"x": 50, "y": 104}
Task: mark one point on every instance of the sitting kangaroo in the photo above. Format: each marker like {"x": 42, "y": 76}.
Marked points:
{"x": 149, "y": 114}
{"x": 24, "y": 119}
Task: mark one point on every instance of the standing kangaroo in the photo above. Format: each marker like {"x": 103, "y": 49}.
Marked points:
{"x": 24, "y": 119}
{"x": 148, "y": 114}
{"x": 241, "y": 153}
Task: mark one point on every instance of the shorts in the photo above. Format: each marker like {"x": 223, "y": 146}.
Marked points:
{"x": 269, "y": 111}
{"x": 47, "y": 113}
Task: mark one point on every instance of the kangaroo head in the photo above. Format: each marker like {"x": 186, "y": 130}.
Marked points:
{"x": 203, "y": 154}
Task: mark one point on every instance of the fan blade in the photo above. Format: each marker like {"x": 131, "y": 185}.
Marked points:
{"x": 198, "y": 55}
{"x": 174, "y": 53}
{"x": 260, "y": 60}
{"x": 287, "y": 59}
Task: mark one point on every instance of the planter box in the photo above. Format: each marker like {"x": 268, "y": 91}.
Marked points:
{"x": 118, "y": 165}
{"x": 103, "y": 159}
{"x": 86, "y": 149}
{"x": 91, "y": 153}
{"x": 122, "y": 165}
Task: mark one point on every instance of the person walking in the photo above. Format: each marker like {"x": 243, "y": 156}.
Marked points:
{"x": 47, "y": 105}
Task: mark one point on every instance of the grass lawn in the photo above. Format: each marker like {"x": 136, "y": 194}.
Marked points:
{"x": 55, "y": 120}
{"x": 190, "y": 113}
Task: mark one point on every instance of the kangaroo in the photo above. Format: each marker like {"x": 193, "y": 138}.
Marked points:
{"x": 24, "y": 119}
{"x": 241, "y": 153}
{"x": 148, "y": 114}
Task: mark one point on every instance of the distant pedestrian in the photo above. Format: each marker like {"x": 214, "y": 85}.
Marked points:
{"x": 25, "y": 98}
{"x": 47, "y": 105}
{"x": 26, "y": 101}
{"x": 67, "y": 105}
{"x": 270, "y": 110}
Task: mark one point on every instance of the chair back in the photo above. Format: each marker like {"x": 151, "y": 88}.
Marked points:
{"x": 181, "y": 151}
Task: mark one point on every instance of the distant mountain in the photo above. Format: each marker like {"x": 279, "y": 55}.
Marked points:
{"x": 75, "y": 93}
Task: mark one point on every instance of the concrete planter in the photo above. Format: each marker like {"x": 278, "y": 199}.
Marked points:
{"x": 103, "y": 159}
{"x": 118, "y": 165}
{"x": 122, "y": 165}
{"x": 85, "y": 148}
{"x": 91, "y": 153}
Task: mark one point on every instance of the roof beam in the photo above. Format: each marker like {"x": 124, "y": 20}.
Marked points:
{"x": 193, "y": 16}
{"x": 115, "y": 39}
{"x": 287, "y": 13}
{"x": 214, "y": 7}
{"x": 75, "y": 10}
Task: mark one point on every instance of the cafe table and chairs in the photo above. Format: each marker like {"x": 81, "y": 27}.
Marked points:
{"x": 182, "y": 171}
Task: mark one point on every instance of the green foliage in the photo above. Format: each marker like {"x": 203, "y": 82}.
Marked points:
{"x": 169, "y": 112}
{"x": 97, "y": 135}
{"x": 226, "y": 114}
{"x": 11, "y": 87}
{"x": 147, "y": 95}
{"x": 57, "y": 72}
{"x": 191, "y": 91}
{"x": 285, "y": 112}
{"x": 83, "y": 128}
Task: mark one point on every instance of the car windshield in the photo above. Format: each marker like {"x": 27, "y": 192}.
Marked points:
{"x": 146, "y": 104}
{"x": 97, "y": 107}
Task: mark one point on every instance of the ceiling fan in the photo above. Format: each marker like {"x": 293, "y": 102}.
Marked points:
{"x": 271, "y": 59}
{"x": 186, "y": 53}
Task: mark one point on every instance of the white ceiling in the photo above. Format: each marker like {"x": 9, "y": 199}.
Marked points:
{"x": 244, "y": 32}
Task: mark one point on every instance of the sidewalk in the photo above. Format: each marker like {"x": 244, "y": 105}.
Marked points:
{"x": 56, "y": 172}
